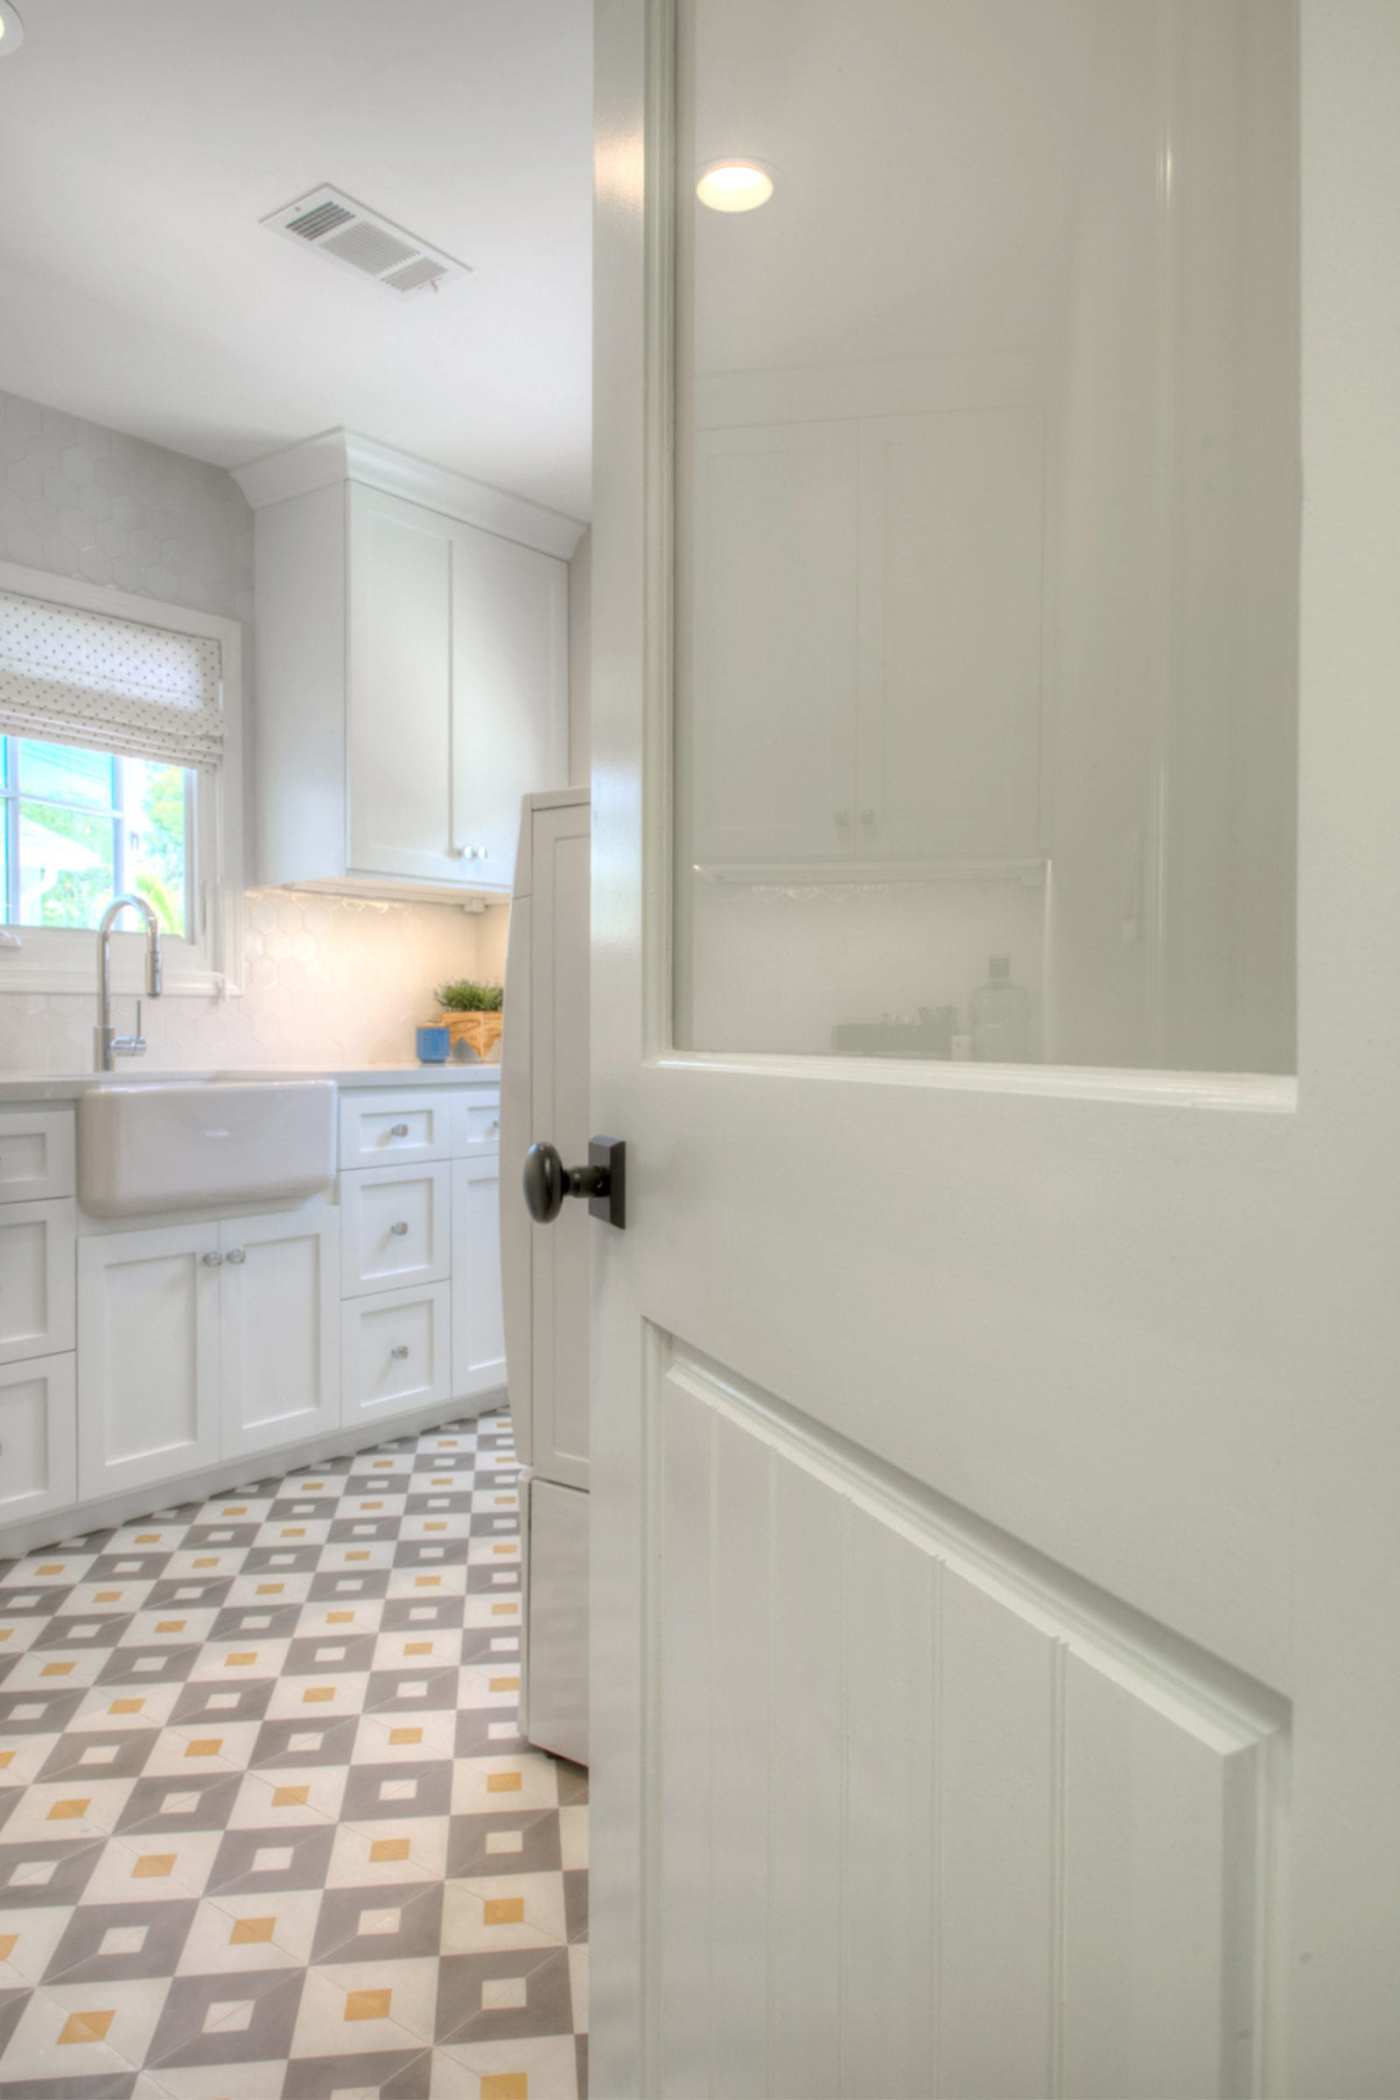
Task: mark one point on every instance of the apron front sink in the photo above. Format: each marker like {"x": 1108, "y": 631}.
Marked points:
{"x": 193, "y": 1144}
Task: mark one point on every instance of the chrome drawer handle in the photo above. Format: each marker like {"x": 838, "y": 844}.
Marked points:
{"x": 399, "y": 1351}
{"x": 212, "y": 1261}
{"x": 236, "y": 1257}
{"x": 398, "y": 1130}
{"x": 399, "y": 1230}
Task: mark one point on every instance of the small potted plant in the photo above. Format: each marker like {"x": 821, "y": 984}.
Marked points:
{"x": 472, "y": 1012}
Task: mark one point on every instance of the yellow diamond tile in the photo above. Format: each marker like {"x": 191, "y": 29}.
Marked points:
{"x": 87, "y": 2026}
{"x": 368, "y": 2005}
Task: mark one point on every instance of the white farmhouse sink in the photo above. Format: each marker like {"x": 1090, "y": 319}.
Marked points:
{"x": 183, "y": 1144}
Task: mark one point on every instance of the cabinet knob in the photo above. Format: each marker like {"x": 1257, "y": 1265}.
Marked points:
{"x": 212, "y": 1261}
{"x": 236, "y": 1257}
{"x": 867, "y": 818}
{"x": 399, "y": 1351}
{"x": 842, "y": 819}
{"x": 399, "y": 1230}
{"x": 398, "y": 1130}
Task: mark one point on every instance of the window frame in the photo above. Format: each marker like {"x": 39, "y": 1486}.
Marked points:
{"x": 209, "y": 961}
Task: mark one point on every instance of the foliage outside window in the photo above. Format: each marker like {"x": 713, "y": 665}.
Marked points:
{"x": 81, "y": 826}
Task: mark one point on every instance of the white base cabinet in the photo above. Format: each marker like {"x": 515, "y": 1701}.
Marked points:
{"x": 135, "y": 1357}
{"x": 200, "y": 1342}
{"x": 38, "y": 1436}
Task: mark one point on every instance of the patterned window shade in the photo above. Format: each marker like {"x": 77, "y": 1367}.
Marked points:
{"x": 73, "y": 677}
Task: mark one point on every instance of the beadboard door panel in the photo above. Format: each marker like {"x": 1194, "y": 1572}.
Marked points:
{"x": 927, "y": 1815}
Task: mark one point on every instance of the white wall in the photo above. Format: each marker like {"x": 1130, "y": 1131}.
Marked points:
{"x": 328, "y": 979}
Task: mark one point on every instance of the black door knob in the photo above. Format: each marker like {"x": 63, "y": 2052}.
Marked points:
{"x": 547, "y": 1181}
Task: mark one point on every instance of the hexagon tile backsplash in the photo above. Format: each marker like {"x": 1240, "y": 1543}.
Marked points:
{"x": 332, "y": 981}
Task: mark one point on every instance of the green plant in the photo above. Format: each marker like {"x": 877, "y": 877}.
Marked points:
{"x": 465, "y": 996}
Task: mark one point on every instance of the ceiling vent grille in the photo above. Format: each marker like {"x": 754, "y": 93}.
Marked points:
{"x": 364, "y": 241}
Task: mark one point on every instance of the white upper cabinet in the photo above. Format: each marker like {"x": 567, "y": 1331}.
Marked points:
{"x": 412, "y": 649}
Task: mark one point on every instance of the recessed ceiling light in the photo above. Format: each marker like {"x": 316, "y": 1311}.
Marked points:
{"x": 734, "y": 185}
{"x": 11, "y": 29}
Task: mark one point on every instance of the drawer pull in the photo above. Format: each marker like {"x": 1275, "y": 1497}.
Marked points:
{"x": 399, "y": 1351}
{"x": 398, "y": 1130}
{"x": 399, "y": 1230}
{"x": 212, "y": 1261}
{"x": 236, "y": 1257}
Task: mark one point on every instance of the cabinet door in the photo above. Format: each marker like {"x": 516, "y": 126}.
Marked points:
{"x": 280, "y": 1328}
{"x": 38, "y": 1437}
{"x": 148, "y": 1356}
{"x": 400, "y": 736}
{"x": 952, "y": 525}
{"x": 478, "y": 1321}
{"x": 511, "y": 698}
{"x": 36, "y": 1278}
{"x": 769, "y": 645}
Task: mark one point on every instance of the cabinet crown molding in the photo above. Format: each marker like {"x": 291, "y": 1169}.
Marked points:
{"x": 343, "y": 455}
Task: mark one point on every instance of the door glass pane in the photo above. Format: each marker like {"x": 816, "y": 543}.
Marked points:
{"x": 987, "y": 530}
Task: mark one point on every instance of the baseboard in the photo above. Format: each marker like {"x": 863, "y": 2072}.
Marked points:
{"x": 60, "y": 1526}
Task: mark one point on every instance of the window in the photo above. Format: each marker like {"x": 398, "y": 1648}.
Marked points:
{"x": 82, "y": 826}
{"x": 120, "y": 771}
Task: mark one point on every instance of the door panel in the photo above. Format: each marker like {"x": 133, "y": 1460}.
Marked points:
{"x": 401, "y": 689}
{"x": 478, "y": 1332}
{"x": 280, "y": 1328}
{"x": 148, "y": 1356}
{"x": 510, "y": 676}
{"x": 928, "y": 1816}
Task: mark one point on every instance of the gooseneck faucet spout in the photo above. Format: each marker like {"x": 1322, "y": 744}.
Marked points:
{"x": 107, "y": 1045}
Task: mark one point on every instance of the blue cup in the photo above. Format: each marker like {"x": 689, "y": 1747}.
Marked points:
{"x": 433, "y": 1045}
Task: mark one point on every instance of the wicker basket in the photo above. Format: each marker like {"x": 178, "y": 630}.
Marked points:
{"x": 481, "y": 1030}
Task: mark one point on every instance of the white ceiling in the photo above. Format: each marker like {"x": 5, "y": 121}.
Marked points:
{"x": 140, "y": 144}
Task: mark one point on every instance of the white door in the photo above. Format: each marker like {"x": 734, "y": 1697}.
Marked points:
{"x": 148, "y": 1356}
{"x": 279, "y": 1328}
{"x": 995, "y": 1570}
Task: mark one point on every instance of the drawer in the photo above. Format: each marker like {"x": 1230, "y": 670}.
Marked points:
{"x": 36, "y": 1154}
{"x": 396, "y": 1352}
{"x": 37, "y": 1279}
{"x": 476, "y": 1122}
{"x": 38, "y": 1436}
{"x": 396, "y": 1227}
{"x": 408, "y": 1126}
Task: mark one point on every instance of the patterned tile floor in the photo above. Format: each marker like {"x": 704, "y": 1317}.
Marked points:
{"x": 267, "y": 1828}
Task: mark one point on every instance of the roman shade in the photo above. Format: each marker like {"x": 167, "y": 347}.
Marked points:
{"x": 69, "y": 676}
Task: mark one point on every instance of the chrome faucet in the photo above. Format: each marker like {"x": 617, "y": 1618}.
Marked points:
{"x": 107, "y": 1045}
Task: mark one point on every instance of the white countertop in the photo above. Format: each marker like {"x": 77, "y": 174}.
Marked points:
{"x": 67, "y": 1086}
